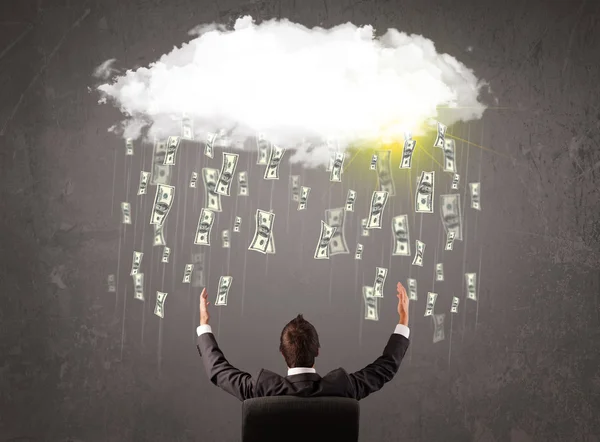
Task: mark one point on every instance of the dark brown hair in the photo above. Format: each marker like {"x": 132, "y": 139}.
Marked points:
{"x": 299, "y": 343}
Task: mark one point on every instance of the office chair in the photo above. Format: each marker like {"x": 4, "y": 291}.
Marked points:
{"x": 297, "y": 419}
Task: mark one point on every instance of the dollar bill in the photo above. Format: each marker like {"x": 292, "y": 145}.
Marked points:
{"x": 363, "y": 225}
{"x": 159, "y": 308}
{"x": 336, "y": 218}
{"x": 209, "y": 146}
{"x": 441, "y": 136}
{"x": 264, "y": 150}
{"x": 373, "y": 162}
{"x": 371, "y": 310}
{"x": 350, "y": 199}
{"x": 136, "y": 262}
{"x": 431, "y": 298}
{"x": 205, "y": 224}
{"x": 425, "y": 193}
{"x": 163, "y": 200}
{"x": 450, "y": 240}
{"x": 237, "y": 224}
{"x": 438, "y": 327}
{"x": 450, "y": 212}
{"x": 187, "y": 128}
{"x": 322, "y": 250}
{"x": 194, "y": 180}
{"x": 336, "y": 169}
{"x": 454, "y": 306}
{"x": 165, "y": 255}
{"x": 407, "y": 153}
{"x": 212, "y": 199}
{"x": 272, "y": 170}
{"x": 262, "y": 231}
{"x": 359, "y": 251}
{"x": 332, "y": 147}
{"x": 412, "y": 289}
{"x": 471, "y": 281}
{"x": 304, "y": 192}
{"x": 138, "y": 286}
{"x": 475, "y": 189}
{"x": 379, "y": 284}
{"x": 159, "y": 235}
{"x": 112, "y": 285}
{"x": 243, "y": 183}
{"x": 187, "y": 273}
{"x": 198, "y": 272}
{"x": 172, "y": 146}
{"x": 161, "y": 174}
{"x": 401, "y": 236}
{"x": 223, "y": 293}
{"x": 384, "y": 173}
{"x": 129, "y": 146}
{"x": 418, "y": 259}
{"x": 125, "y": 213}
{"x": 295, "y": 179}
{"x": 378, "y": 202}
{"x": 455, "y": 181}
{"x": 224, "y": 181}
{"x": 449, "y": 156}
{"x": 225, "y": 239}
{"x": 439, "y": 271}
{"x": 144, "y": 180}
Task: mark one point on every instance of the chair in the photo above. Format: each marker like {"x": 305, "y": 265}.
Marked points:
{"x": 297, "y": 419}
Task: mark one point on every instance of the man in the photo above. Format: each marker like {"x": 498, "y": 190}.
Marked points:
{"x": 299, "y": 345}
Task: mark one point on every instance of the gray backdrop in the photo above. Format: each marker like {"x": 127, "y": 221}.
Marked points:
{"x": 78, "y": 363}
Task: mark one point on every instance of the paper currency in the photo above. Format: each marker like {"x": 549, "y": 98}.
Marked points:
{"x": 449, "y": 156}
{"x": 136, "y": 262}
{"x": 384, "y": 173}
{"x": 264, "y": 150}
{"x": 112, "y": 286}
{"x": 187, "y": 273}
{"x": 161, "y": 174}
{"x": 450, "y": 240}
{"x": 451, "y": 215}
{"x": 138, "y": 286}
{"x": 236, "y": 225}
{"x": 471, "y": 281}
{"x": 336, "y": 218}
{"x": 371, "y": 310}
{"x": 454, "y": 306}
{"x": 407, "y": 153}
{"x": 350, "y": 199}
{"x": 336, "y": 170}
{"x": 379, "y": 283}
{"x": 163, "y": 200}
{"x": 455, "y": 181}
{"x": 439, "y": 271}
{"x": 418, "y": 259}
{"x": 144, "y": 180}
{"x": 431, "y": 298}
{"x": 425, "y": 193}
{"x": 198, "y": 272}
{"x": 363, "y": 224}
{"x": 295, "y": 179}
{"x": 272, "y": 170}
{"x": 332, "y": 147}
{"x": 438, "y": 327}
{"x": 125, "y": 213}
{"x": 212, "y": 199}
{"x": 172, "y": 146}
{"x": 305, "y": 191}
{"x": 165, "y": 255}
{"x": 223, "y": 293}
{"x": 159, "y": 308}
{"x": 373, "y": 162}
{"x": 129, "y": 146}
{"x": 441, "y": 136}
{"x": 322, "y": 250}
{"x": 378, "y": 201}
{"x": 224, "y": 181}
{"x": 159, "y": 235}
{"x": 205, "y": 224}
{"x": 475, "y": 189}
{"x": 225, "y": 239}
{"x": 400, "y": 236}
{"x": 412, "y": 289}
{"x": 262, "y": 231}
{"x": 209, "y": 147}
{"x": 194, "y": 180}
{"x": 187, "y": 128}
{"x": 359, "y": 251}
{"x": 243, "y": 183}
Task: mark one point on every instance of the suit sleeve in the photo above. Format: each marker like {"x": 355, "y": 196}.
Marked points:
{"x": 221, "y": 373}
{"x": 371, "y": 378}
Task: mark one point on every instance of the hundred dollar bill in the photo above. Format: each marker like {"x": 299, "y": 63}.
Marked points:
{"x": 243, "y": 183}
{"x": 455, "y": 181}
{"x": 163, "y": 200}
{"x": 264, "y": 148}
{"x": 431, "y": 298}
{"x": 400, "y": 236}
{"x": 159, "y": 308}
{"x": 441, "y": 136}
{"x": 322, "y": 250}
{"x": 425, "y": 193}
{"x": 475, "y": 189}
{"x": 159, "y": 235}
{"x": 438, "y": 327}
{"x": 223, "y": 293}
{"x": 209, "y": 147}
{"x": 187, "y": 273}
{"x": 412, "y": 289}
{"x": 165, "y": 255}
{"x": 295, "y": 187}
{"x": 350, "y": 199}
{"x": 223, "y": 186}
{"x": 371, "y": 310}
{"x": 336, "y": 170}
{"x": 305, "y": 191}
{"x": 378, "y": 201}
{"x": 450, "y": 212}
{"x": 272, "y": 170}
{"x": 136, "y": 262}
{"x": 359, "y": 251}
{"x": 112, "y": 286}
{"x": 138, "y": 286}
{"x": 379, "y": 283}
{"x": 161, "y": 174}
{"x": 262, "y": 231}
{"x": 336, "y": 218}
{"x": 144, "y": 180}
{"x": 129, "y": 146}
{"x": 450, "y": 240}
{"x": 225, "y": 239}
{"x": 365, "y": 230}
{"x": 212, "y": 199}
{"x": 454, "y": 306}
{"x": 449, "y": 156}
{"x": 439, "y": 271}
{"x": 384, "y": 173}
{"x": 407, "y": 153}
{"x": 172, "y": 146}
{"x": 418, "y": 259}
{"x": 236, "y": 225}
{"x": 373, "y": 162}
{"x": 125, "y": 213}
{"x": 187, "y": 128}
{"x": 205, "y": 224}
{"x": 194, "y": 180}
{"x": 471, "y": 281}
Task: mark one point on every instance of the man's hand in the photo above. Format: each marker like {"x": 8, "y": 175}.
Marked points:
{"x": 402, "y": 304}
{"x": 204, "y": 316}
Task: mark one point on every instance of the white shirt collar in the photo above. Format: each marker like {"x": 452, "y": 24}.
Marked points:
{"x": 299, "y": 370}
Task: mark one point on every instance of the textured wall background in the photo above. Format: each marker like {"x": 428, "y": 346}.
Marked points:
{"x": 77, "y": 363}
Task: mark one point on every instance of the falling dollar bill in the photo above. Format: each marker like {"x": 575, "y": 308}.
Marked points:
{"x": 305, "y": 191}
{"x": 224, "y": 180}
{"x": 332, "y": 148}
{"x": 187, "y": 273}
{"x": 378, "y": 201}
{"x": 371, "y": 311}
{"x": 401, "y": 236}
{"x": 243, "y": 183}
{"x": 336, "y": 218}
{"x": 112, "y": 286}
{"x": 161, "y": 174}
{"x": 384, "y": 173}
{"x": 165, "y": 255}
{"x": 439, "y": 271}
{"x": 412, "y": 289}
{"x": 438, "y": 327}
{"x": 450, "y": 212}
{"x": 194, "y": 180}
{"x": 322, "y": 250}
{"x": 172, "y": 146}
{"x": 455, "y": 181}
{"x": 336, "y": 170}
{"x": 441, "y": 136}
{"x": 295, "y": 179}
{"x": 264, "y": 150}
{"x": 129, "y": 146}
{"x": 136, "y": 262}
{"x": 379, "y": 283}
{"x": 272, "y": 170}
{"x": 471, "y": 281}
{"x": 223, "y": 293}
{"x": 225, "y": 239}
{"x": 431, "y": 298}
{"x": 138, "y": 286}
{"x": 475, "y": 189}
{"x": 350, "y": 199}
{"x": 144, "y": 180}
{"x": 454, "y": 306}
{"x": 198, "y": 272}
{"x": 373, "y": 162}
{"x": 359, "y": 251}
{"x": 209, "y": 147}
{"x": 262, "y": 231}
{"x": 205, "y": 224}
{"x": 237, "y": 224}
{"x": 187, "y": 128}
{"x": 125, "y": 213}
{"x": 418, "y": 259}
{"x": 159, "y": 308}
{"x": 363, "y": 225}
{"x": 159, "y": 235}
{"x": 450, "y": 240}
{"x": 407, "y": 153}
{"x": 212, "y": 199}
{"x": 425, "y": 193}
{"x": 449, "y": 155}
{"x": 163, "y": 200}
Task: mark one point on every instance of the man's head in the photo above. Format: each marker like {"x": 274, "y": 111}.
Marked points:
{"x": 299, "y": 343}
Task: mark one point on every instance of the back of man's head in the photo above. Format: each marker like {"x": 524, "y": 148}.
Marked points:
{"x": 299, "y": 343}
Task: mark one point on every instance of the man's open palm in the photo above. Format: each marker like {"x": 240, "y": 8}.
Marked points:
{"x": 402, "y": 304}
{"x": 204, "y": 316}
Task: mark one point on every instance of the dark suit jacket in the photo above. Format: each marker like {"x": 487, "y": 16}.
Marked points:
{"x": 338, "y": 382}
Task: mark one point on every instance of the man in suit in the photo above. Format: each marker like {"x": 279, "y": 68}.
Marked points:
{"x": 299, "y": 345}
